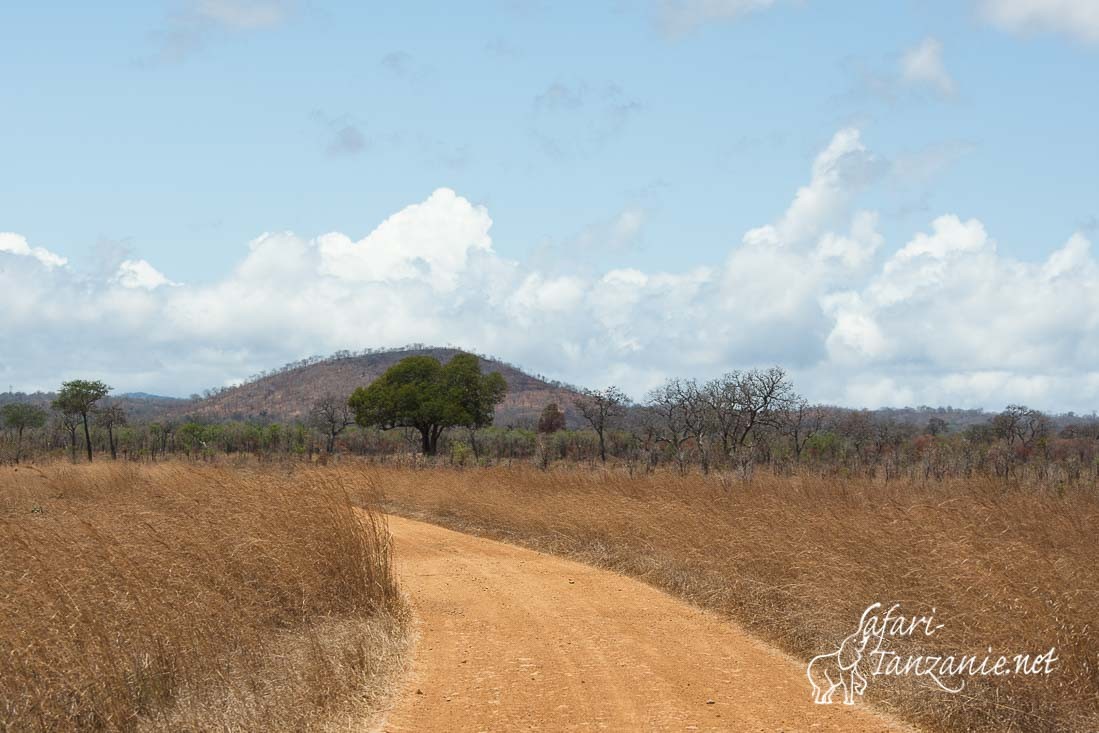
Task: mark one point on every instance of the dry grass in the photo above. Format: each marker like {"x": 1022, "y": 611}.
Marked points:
{"x": 188, "y": 598}
{"x": 797, "y": 560}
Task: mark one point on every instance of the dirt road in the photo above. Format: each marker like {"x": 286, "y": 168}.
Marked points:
{"x": 514, "y": 640}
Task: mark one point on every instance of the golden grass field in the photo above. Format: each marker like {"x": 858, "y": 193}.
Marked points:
{"x": 184, "y": 596}
{"x": 796, "y": 560}
{"x": 177, "y": 597}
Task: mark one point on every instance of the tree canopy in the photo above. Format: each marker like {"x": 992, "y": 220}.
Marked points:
{"x": 78, "y": 397}
{"x": 19, "y": 416}
{"x": 421, "y": 393}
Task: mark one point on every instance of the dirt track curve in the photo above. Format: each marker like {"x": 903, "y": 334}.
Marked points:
{"x": 514, "y": 640}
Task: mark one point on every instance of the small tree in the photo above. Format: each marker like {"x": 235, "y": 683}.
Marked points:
{"x": 19, "y": 416}
{"x": 1019, "y": 424}
{"x": 110, "y": 417}
{"x": 601, "y": 408}
{"x": 332, "y": 415}
{"x": 70, "y": 422}
{"x": 552, "y": 419}
{"x": 669, "y": 410}
{"x": 937, "y": 426}
{"x": 78, "y": 398}
{"x": 801, "y": 422}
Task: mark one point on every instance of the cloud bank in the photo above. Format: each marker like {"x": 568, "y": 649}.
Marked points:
{"x": 942, "y": 318}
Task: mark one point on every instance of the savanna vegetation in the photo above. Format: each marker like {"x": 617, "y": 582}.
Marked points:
{"x": 741, "y": 422}
{"x": 797, "y": 558}
{"x": 186, "y": 597}
{"x": 736, "y": 494}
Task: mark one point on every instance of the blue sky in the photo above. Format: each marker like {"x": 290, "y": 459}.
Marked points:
{"x": 600, "y": 138}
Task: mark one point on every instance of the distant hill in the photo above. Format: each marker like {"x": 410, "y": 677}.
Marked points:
{"x": 288, "y": 393}
{"x": 139, "y": 406}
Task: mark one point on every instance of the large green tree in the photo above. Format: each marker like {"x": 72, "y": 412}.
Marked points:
{"x": 19, "y": 416}
{"x": 419, "y": 392}
{"x": 79, "y": 397}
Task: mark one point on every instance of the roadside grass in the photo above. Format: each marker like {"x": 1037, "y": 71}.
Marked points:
{"x": 186, "y": 597}
{"x": 797, "y": 559}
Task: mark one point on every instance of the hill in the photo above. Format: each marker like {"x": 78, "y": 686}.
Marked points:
{"x": 288, "y": 393}
{"x": 139, "y": 406}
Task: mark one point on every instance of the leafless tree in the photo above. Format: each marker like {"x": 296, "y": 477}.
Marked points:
{"x": 800, "y": 422}
{"x": 71, "y": 422}
{"x": 601, "y": 408}
{"x": 1021, "y": 425}
{"x": 110, "y": 416}
{"x": 742, "y": 402}
{"x": 858, "y": 427}
{"x": 668, "y": 407}
{"x": 332, "y": 415}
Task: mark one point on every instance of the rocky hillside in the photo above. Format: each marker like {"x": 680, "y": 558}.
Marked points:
{"x": 288, "y": 393}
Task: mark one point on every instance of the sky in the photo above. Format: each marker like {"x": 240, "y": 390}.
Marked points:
{"x": 895, "y": 201}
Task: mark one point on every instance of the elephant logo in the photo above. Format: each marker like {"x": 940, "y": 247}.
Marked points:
{"x": 828, "y": 673}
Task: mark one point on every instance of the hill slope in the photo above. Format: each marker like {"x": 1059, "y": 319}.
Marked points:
{"x": 289, "y": 393}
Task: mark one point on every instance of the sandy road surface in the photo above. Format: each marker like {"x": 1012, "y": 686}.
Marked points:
{"x": 514, "y": 640}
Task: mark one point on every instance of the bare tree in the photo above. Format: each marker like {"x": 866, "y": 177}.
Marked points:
{"x": 111, "y": 416}
{"x": 800, "y": 422}
{"x": 333, "y": 416}
{"x": 741, "y": 402}
{"x": 1021, "y": 425}
{"x": 668, "y": 407}
{"x": 601, "y": 408}
{"x": 70, "y": 421}
{"x": 858, "y": 427}
{"x": 723, "y": 397}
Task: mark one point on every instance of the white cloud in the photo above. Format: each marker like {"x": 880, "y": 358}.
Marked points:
{"x": 431, "y": 241}
{"x": 923, "y": 64}
{"x": 1077, "y": 18}
{"x": 140, "y": 274}
{"x": 944, "y": 318}
{"x": 17, "y": 245}
{"x": 839, "y": 171}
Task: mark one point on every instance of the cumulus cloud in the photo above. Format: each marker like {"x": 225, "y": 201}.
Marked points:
{"x": 923, "y": 65}
{"x": 17, "y": 245}
{"x": 1076, "y": 18}
{"x": 429, "y": 242}
{"x": 839, "y": 171}
{"x": 943, "y": 317}
{"x": 140, "y": 274}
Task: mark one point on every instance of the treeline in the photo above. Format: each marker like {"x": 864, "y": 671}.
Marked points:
{"x": 737, "y": 423}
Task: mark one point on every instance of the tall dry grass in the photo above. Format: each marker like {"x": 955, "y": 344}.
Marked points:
{"x": 796, "y": 560}
{"x": 190, "y": 598}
